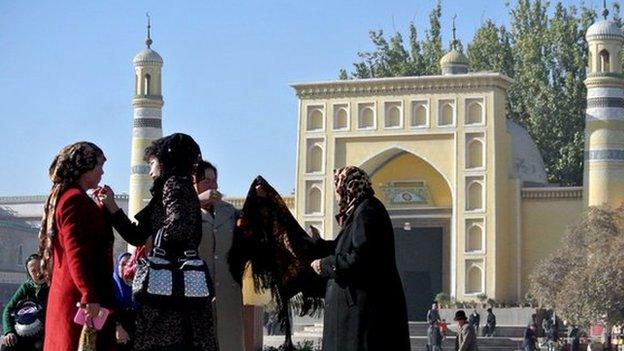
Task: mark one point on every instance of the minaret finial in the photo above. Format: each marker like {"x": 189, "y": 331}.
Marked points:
{"x": 148, "y": 41}
{"x": 454, "y": 42}
{"x": 605, "y": 11}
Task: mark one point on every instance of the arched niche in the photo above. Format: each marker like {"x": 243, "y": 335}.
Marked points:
{"x": 474, "y": 200}
{"x": 474, "y": 113}
{"x": 315, "y": 159}
{"x": 366, "y": 118}
{"x": 474, "y": 279}
{"x": 314, "y": 200}
{"x": 474, "y": 240}
{"x": 393, "y": 117}
{"x": 446, "y": 115}
{"x": 341, "y": 118}
{"x": 419, "y": 115}
{"x": 315, "y": 119}
{"x": 475, "y": 152}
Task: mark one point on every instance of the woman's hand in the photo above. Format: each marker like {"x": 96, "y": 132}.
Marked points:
{"x": 316, "y": 265}
{"x": 122, "y": 335}
{"x": 93, "y": 310}
{"x": 106, "y": 196}
{"x": 209, "y": 197}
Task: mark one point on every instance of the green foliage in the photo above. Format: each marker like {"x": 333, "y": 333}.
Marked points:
{"x": 442, "y": 298}
{"x": 584, "y": 280}
{"x": 482, "y": 298}
{"x": 544, "y": 51}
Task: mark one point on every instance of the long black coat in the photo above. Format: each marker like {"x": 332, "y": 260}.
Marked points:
{"x": 364, "y": 303}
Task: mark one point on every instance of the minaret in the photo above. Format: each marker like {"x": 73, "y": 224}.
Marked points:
{"x": 147, "y": 122}
{"x": 604, "y": 120}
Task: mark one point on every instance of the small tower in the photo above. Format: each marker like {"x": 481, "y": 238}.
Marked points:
{"x": 454, "y": 62}
{"x": 147, "y": 122}
{"x": 604, "y": 119}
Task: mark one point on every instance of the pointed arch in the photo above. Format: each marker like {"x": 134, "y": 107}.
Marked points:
{"x": 605, "y": 61}
{"x": 474, "y": 279}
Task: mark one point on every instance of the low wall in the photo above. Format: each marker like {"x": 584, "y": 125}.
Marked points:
{"x": 510, "y": 316}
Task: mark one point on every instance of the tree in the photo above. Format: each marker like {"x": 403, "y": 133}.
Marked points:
{"x": 432, "y": 46}
{"x": 584, "y": 279}
{"x": 490, "y": 50}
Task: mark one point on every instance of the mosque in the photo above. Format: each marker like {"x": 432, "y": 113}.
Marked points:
{"x": 465, "y": 187}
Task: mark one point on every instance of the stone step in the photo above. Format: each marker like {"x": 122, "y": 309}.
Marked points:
{"x": 417, "y": 343}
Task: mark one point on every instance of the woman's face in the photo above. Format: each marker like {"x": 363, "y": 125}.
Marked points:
{"x": 154, "y": 167}
{"x": 122, "y": 265}
{"x": 91, "y": 179}
{"x": 34, "y": 270}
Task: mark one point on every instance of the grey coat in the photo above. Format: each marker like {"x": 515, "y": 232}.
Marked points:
{"x": 214, "y": 248}
{"x": 466, "y": 339}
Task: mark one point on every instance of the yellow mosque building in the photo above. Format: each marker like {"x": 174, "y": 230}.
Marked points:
{"x": 464, "y": 186}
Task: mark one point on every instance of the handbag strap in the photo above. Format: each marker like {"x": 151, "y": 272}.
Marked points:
{"x": 157, "y": 250}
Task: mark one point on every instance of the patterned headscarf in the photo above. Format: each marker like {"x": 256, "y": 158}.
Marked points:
{"x": 71, "y": 162}
{"x": 352, "y": 185}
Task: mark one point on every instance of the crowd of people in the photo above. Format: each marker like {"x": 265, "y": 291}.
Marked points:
{"x": 91, "y": 302}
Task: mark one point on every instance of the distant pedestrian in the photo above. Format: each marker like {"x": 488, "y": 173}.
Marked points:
{"x": 125, "y": 314}
{"x": 530, "y": 338}
{"x": 475, "y": 319}
{"x": 574, "y": 338}
{"x": 490, "y": 324}
{"x": 433, "y": 315}
{"x": 466, "y": 337}
{"x": 434, "y": 337}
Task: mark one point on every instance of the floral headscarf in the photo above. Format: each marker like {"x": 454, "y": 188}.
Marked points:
{"x": 71, "y": 162}
{"x": 352, "y": 185}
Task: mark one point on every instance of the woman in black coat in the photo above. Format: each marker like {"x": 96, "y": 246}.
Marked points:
{"x": 364, "y": 303}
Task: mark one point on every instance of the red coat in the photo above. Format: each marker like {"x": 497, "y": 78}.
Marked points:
{"x": 83, "y": 270}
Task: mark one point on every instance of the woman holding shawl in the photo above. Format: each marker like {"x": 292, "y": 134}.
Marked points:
{"x": 364, "y": 301}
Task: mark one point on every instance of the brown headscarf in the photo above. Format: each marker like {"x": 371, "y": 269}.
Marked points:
{"x": 66, "y": 168}
{"x": 352, "y": 185}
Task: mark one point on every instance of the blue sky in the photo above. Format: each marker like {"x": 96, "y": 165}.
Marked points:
{"x": 66, "y": 75}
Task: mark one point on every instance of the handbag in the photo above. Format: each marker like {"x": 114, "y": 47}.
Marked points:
{"x": 162, "y": 280}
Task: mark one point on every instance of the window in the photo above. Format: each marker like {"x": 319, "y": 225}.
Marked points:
{"x": 604, "y": 61}
{"x": 146, "y": 84}
{"x": 20, "y": 255}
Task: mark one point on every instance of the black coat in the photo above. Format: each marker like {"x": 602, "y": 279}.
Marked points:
{"x": 364, "y": 303}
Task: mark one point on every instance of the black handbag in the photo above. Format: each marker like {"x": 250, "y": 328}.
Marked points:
{"x": 160, "y": 279}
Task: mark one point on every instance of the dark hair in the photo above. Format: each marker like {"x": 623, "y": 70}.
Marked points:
{"x": 32, "y": 257}
{"x": 202, "y": 166}
{"x": 177, "y": 153}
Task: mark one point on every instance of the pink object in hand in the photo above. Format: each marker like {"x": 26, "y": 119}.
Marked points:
{"x": 96, "y": 322}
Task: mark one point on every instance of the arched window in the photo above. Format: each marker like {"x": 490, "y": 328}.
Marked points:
{"x": 393, "y": 117}
{"x": 591, "y": 61}
{"x": 446, "y": 115}
{"x": 475, "y": 113}
{"x": 419, "y": 116}
{"x": 474, "y": 280}
{"x": 367, "y": 118}
{"x": 341, "y": 119}
{"x": 20, "y": 255}
{"x": 315, "y": 119}
{"x": 315, "y": 159}
{"x": 313, "y": 203}
{"x": 475, "y": 196}
{"x": 475, "y": 238}
{"x": 147, "y": 80}
{"x": 475, "y": 154}
{"x": 604, "y": 61}
{"x": 137, "y": 89}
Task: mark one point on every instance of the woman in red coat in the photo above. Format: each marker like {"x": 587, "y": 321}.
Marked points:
{"x": 76, "y": 246}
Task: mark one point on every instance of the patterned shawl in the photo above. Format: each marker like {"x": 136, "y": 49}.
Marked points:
{"x": 280, "y": 252}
